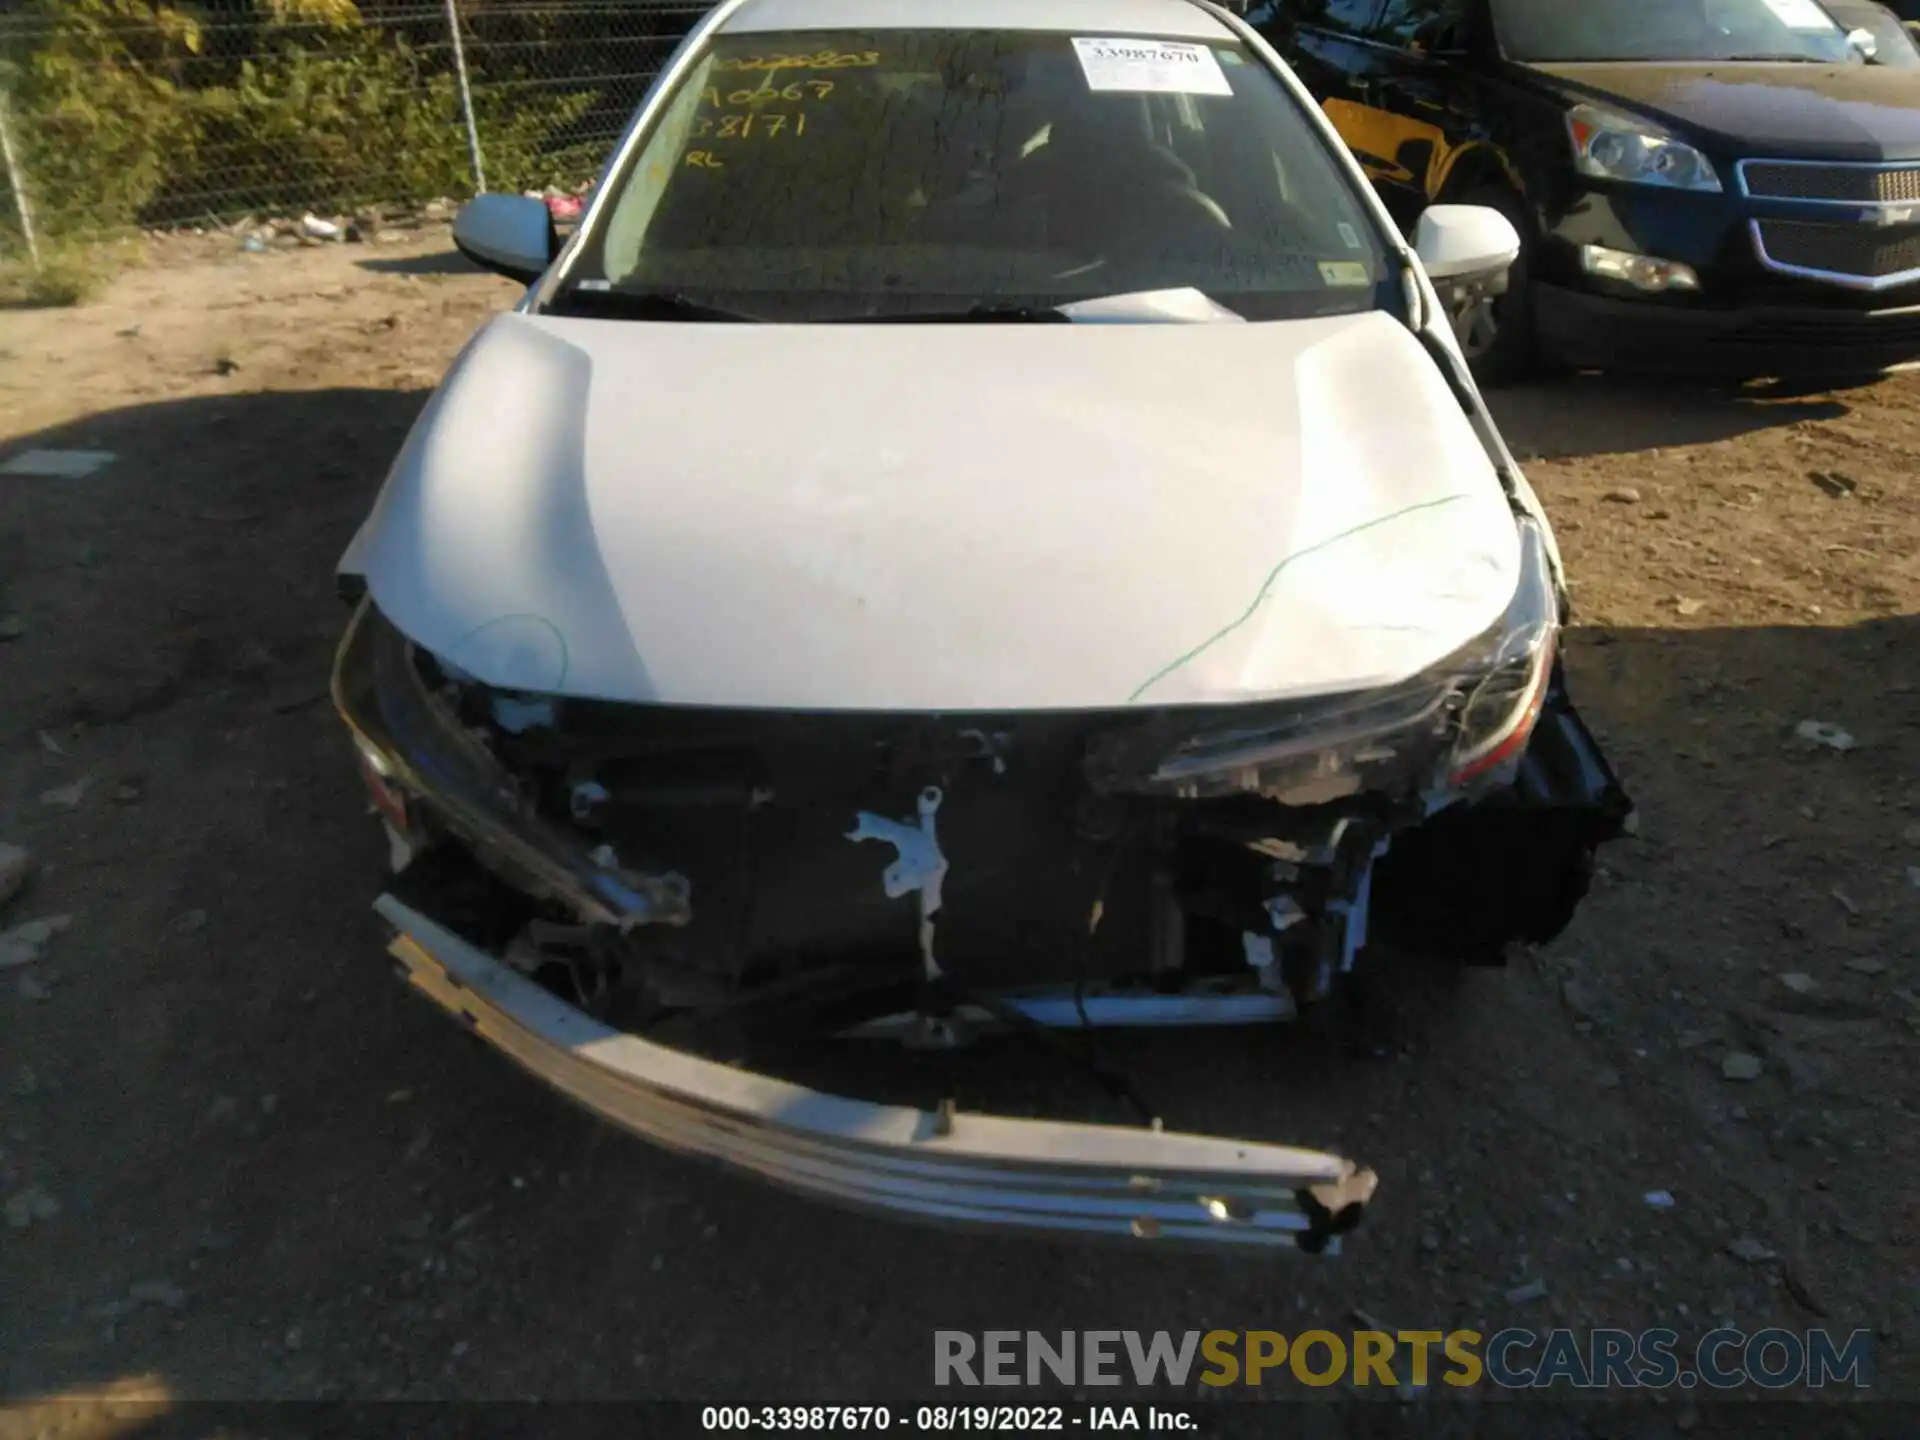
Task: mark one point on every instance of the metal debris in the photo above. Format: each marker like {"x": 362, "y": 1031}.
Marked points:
{"x": 1834, "y": 483}
{"x": 1659, "y": 1199}
{"x": 1826, "y": 734}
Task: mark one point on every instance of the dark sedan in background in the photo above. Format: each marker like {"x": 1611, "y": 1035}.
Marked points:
{"x": 1886, "y": 38}
{"x": 1718, "y": 187}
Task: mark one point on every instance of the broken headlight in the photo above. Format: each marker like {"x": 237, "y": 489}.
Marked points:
{"x": 1461, "y": 723}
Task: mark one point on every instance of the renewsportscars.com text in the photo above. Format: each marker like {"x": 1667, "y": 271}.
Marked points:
{"x": 1513, "y": 1359}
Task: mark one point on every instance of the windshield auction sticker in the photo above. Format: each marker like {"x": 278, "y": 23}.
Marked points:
{"x": 1158, "y": 66}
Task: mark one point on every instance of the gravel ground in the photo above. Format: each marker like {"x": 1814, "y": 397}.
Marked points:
{"x": 239, "y": 1162}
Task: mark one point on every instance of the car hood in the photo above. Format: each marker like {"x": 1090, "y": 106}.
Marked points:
{"x": 1846, "y": 112}
{"x": 940, "y": 518}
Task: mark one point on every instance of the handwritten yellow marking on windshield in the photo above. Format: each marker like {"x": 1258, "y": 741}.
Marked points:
{"x": 703, "y": 160}
{"x": 825, "y": 60}
{"x": 766, "y": 95}
{"x": 764, "y": 123}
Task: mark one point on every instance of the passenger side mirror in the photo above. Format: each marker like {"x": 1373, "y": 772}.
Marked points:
{"x": 1863, "y": 40}
{"x": 1466, "y": 244}
{"x": 511, "y": 234}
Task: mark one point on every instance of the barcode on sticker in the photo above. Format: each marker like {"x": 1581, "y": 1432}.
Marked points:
{"x": 1165, "y": 67}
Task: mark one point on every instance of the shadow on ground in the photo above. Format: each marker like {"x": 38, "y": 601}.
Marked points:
{"x": 1605, "y": 415}
{"x": 448, "y": 262}
{"x": 350, "y": 1199}
{"x": 201, "y": 556}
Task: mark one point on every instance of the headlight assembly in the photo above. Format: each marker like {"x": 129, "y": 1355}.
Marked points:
{"x": 1611, "y": 146}
{"x": 1459, "y": 724}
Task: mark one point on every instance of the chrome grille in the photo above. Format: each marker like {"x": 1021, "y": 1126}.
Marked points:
{"x": 1869, "y": 252}
{"x": 1835, "y": 184}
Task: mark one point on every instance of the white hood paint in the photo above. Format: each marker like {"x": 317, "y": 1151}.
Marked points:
{"x": 945, "y": 517}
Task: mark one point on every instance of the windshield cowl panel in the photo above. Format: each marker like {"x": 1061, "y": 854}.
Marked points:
{"x": 1683, "y": 31}
{"x": 893, "y": 174}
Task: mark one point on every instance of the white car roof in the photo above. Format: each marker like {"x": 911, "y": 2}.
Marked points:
{"x": 1170, "y": 19}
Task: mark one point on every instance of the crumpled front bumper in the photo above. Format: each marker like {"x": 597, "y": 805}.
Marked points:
{"x": 943, "y": 1166}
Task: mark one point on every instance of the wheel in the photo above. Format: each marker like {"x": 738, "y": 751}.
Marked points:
{"x": 1497, "y": 335}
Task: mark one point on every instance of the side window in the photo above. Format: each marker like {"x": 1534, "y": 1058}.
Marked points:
{"x": 1424, "y": 25}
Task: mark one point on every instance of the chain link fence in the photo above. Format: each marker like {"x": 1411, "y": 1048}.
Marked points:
{"x": 140, "y": 114}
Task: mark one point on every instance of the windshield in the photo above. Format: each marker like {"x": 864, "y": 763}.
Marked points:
{"x": 901, "y": 173}
{"x": 1683, "y": 30}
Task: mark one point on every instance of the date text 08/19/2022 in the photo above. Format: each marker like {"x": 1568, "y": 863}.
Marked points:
{"x": 936, "y": 1419}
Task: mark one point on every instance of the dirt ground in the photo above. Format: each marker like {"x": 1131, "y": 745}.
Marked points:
{"x": 278, "y": 1175}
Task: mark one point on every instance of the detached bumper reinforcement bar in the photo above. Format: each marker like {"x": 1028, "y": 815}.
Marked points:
{"x": 941, "y": 1166}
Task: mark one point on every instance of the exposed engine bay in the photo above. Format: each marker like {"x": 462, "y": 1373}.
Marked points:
{"x": 742, "y": 883}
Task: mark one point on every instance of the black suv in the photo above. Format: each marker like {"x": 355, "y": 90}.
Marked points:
{"x": 1720, "y": 187}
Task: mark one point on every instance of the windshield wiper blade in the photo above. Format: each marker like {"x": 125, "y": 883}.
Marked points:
{"x": 1785, "y": 59}
{"x": 641, "y": 305}
{"x": 987, "y": 312}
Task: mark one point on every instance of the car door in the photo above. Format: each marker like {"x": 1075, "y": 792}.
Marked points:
{"x": 1425, "y": 77}
{"x": 1322, "y": 41}
{"x": 1385, "y": 115}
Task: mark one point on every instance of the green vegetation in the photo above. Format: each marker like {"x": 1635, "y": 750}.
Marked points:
{"x": 141, "y": 112}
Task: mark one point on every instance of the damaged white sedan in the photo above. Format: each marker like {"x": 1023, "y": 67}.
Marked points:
{"x": 985, "y": 526}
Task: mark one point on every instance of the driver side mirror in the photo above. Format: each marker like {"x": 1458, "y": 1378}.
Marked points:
{"x": 1466, "y": 245}
{"x": 511, "y": 234}
{"x": 1863, "y": 40}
